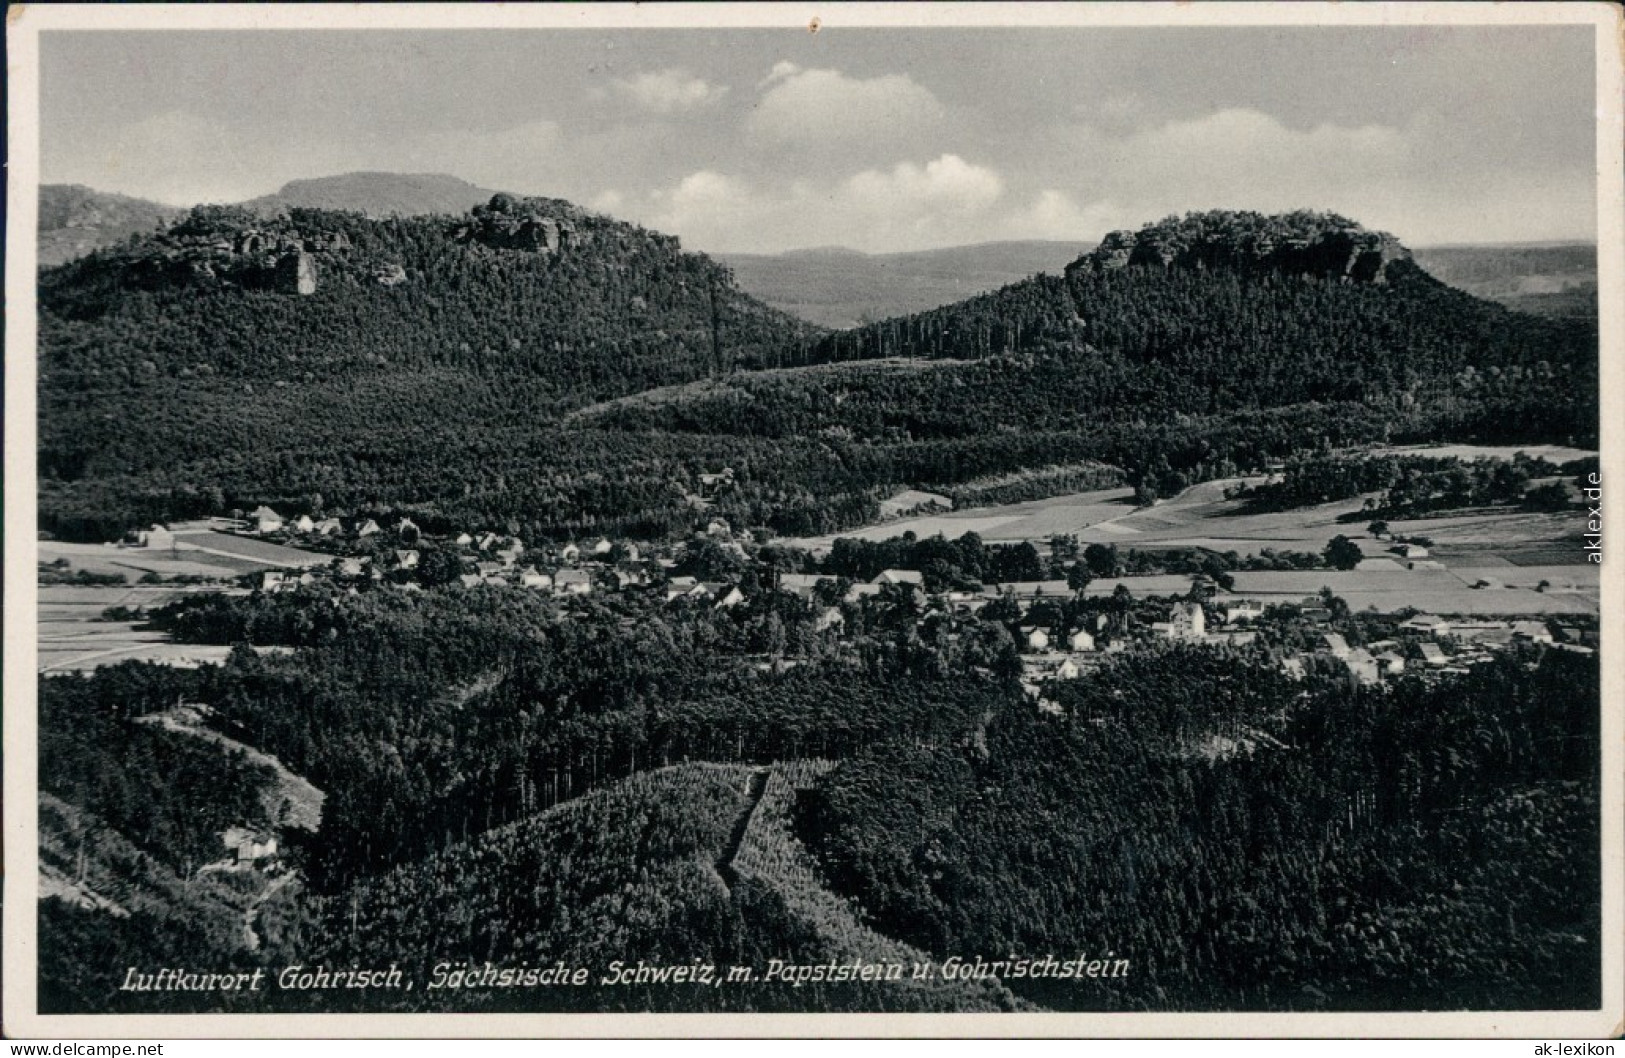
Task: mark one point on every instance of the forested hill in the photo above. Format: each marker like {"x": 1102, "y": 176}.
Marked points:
{"x": 321, "y": 336}
{"x": 1223, "y": 311}
{"x": 468, "y": 369}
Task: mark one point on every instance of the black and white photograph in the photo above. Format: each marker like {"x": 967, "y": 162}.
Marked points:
{"x": 1075, "y": 514}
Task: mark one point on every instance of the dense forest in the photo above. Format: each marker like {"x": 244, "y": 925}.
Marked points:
{"x": 1246, "y": 839}
{"x": 485, "y": 370}
{"x": 1333, "y": 850}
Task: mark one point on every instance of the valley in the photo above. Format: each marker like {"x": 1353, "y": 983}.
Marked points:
{"x": 509, "y": 585}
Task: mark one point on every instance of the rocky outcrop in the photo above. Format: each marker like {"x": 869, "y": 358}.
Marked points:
{"x": 296, "y": 273}
{"x": 389, "y": 275}
{"x": 1323, "y": 245}
{"x": 508, "y": 222}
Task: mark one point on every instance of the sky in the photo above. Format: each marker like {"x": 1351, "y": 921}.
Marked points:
{"x": 875, "y": 139}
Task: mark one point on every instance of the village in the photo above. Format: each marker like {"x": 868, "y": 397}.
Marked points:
{"x": 1366, "y": 624}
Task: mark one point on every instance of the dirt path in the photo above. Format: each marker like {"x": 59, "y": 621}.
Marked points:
{"x": 753, "y": 798}
{"x": 251, "y": 939}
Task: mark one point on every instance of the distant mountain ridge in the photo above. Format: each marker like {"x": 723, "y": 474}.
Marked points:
{"x": 74, "y": 220}
{"x": 839, "y": 287}
{"x": 375, "y": 194}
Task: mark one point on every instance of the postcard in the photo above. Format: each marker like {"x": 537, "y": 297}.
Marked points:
{"x": 813, "y": 520}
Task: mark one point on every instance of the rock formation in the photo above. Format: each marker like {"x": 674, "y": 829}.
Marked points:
{"x": 1323, "y": 245}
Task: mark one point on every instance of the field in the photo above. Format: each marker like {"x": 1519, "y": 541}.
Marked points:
{"x": 73, "y": 638}
{"x": 1516, "y": 549}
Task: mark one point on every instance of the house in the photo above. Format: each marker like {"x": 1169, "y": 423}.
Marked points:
{"x": 1568, "y": 633}
{"x": 463, "y": 540}
{"x": 861, "y": 591}
{"x": 272, "y": 580}
{"x": 1432, "y": 655}
{"x": 1069, "y": 669}
{"x": 1392, "y": 663}
{"x": 570, "y": 554}
{"x": 327, "y": 527}
{"x": 352, "y": 567}
{"x": 489, "y": 570}
{"x": 406, "y": 560}
{"x": 471, "y": 580}
{"x": 1035, "y": 638}
{"x": 407, "y": 530}
{"x": 1531, "y": 632}
{"x": 831, "y": 617}
{"x": 718, "y": 527}
{"x": 799, "y": 584}
{"x": 367, "y": 528}
{"x": 1243, "y": 610}
{"x": 1336, "y": 645}
{"x": 726, "y": 595}
{"x": 1188, "y": 621}
{"x": 573, "y": 582}
{"x": 158, "y": 538}
{"x": 263, "y": 519}
{"x": 1080, "y": 641}
{"x": 1234, "y": 637}
{"x": 900, "y": 576}
{"x": 511, "y": 554}
{"x": 1363, "y": 666}
{"x": 1410, "y": 551}
{"x": 303, "y": 524}
{"x": 711, "y": 484}
{"x": 488, "y": 540}
{"x": 602, "y": 546}
{"x": 1429, "y": 624}
{"x": 247, "y": 846}
{"x": 530, "y": 578}
{"x": 1293, "y": 667}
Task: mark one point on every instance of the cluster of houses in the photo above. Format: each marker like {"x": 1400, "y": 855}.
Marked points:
{"x": 1426, "y": 643}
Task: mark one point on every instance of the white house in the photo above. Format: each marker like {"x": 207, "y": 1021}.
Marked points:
{"x": 573, "y": 582}
{"x": 1363, "y": 666}
{"x": 264, "y": 520}
{"x": 1080, "y": 641}
{"x": 900, "y": 576}
{"x": 1036, "y": 638}
{"x": 1187, "y": 621}
{"x": 1426, "y": 622}
{"x": 1531, "y": 631}
{"x": 1243, "y": 610}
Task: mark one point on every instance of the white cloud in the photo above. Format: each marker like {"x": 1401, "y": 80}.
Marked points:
{"x": 670, "y": 91}
{"x": 801, "y": 105}
{"x": 1234, "y": 158}
{"x": 948, "y": 185}
{"x": 906, "y": 206}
